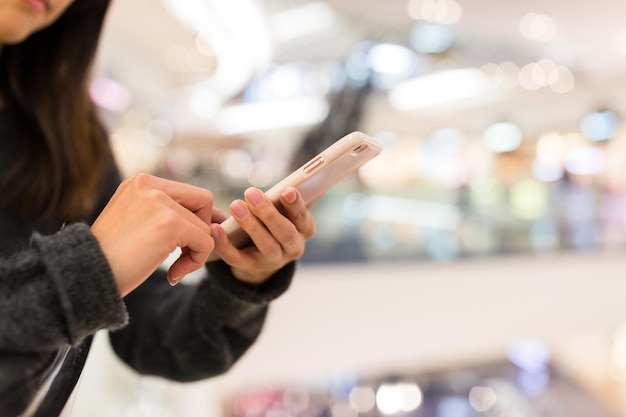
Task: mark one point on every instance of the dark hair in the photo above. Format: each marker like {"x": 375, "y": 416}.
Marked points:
{"x": 62, "y": 146}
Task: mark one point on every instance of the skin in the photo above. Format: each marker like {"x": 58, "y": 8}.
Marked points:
{"x": 148, "y": 217}
{"x": 278, "y": 239}
{"x": 18, "y": 19}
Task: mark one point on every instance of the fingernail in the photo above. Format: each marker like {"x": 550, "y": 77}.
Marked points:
{"x": 290, "y": 195}
{"x": 254, "y": 196}
{"x": 239, "y": 209}
{"x": 175, "y": 280}
{"x": 215, "y": 232}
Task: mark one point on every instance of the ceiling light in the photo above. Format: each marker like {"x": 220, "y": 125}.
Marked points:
{"x": 392, "y": 59}
{"x": 441, "y": 88}
{"x": 390, "y": 64}
{"x": 302, "y": 21}
{"x": 271, "y": 115}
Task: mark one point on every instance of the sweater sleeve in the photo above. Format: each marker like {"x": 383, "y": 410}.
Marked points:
{"x": 192, "y": 332}
{"x": 57, "y": 292}
{"x": 54, "y": 293}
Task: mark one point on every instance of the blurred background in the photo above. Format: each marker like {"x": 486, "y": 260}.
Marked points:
{"x": 501, "y": 121}
{"x": 490, "y": 228}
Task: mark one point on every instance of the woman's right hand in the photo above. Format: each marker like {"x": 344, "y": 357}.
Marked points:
{"x": 147, "y": 219}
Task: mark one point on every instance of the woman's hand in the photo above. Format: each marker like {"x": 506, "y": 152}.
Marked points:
{"x": 147, "y": 219}
{"x": 278, "y": 238}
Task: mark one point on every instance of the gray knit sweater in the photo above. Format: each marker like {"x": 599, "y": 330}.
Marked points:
{"x": 56, "y": 289}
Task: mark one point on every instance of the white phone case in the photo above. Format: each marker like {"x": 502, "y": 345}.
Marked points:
{"x": 316, "y": 177}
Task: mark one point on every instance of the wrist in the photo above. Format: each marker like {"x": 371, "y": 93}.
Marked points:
{"x": 254, "y": 278}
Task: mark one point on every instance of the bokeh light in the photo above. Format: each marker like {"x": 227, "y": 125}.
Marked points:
{"x": 506, "y": 75}
{"x": 390, "y": 64}
{"x": 362, "y": 399}
{"x": 441, "y": 11}
{"x": 235, "y": 163}
{"x": 431, "y": 38}
{"x": 110, "y": 94}
{"x": 563, "y": 81}
{"x": 159, "y": 132}
{"x": 537, "y": 27}
{"x": 529, "y": 354}
{"x": 482, "y": 398}
{"x": 547, "y": 170}
{"x": 551, "y": 148}
{"x": 529, "y": 199}
{"x": 394, "y": 398}
{"x": 503, "y": 137}
{"x": 600, "y": 126}
{"x": 260, "y": 174}
{"x": 585, "y": 160}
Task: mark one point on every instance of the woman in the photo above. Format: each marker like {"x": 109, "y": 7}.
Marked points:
{"x": 79, "y": 252}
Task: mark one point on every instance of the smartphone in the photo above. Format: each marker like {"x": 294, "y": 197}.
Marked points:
{"x": 316, "y": 177}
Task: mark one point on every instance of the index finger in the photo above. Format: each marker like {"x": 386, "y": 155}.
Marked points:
{"x": 195, "y": 199}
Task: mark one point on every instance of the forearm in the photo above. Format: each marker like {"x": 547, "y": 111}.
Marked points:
{"x": 54, "y": 293}
{"x": 57, "y": 292}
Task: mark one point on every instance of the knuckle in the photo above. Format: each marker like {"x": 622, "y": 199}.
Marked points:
{"x": 310, "y": 232}
{"x": 127, "y": 182}
{"x": 292, "y": 235}
{"x": 294, "y": 247}
{"x": 171, "y": 246}
{"x": 274, "y": 252}
{"x": 268, "y": 214}
{"x": 137, "y": 183}
{"x": 154, "y": 196}
{"x": 297, "y": 252}
{"x": 140, "y": 180}
{"x": 169, "y": 219}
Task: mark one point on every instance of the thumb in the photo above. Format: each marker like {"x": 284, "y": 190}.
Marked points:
{"x": 188, "y": 262}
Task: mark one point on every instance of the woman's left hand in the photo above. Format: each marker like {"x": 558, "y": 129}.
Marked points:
{"x": 278, "y": 238}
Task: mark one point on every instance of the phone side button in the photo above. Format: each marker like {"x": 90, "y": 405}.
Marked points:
{"x": 313, "y": 165}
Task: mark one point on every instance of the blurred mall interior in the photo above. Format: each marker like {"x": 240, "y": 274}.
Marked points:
{"x": 474, "y": 268}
